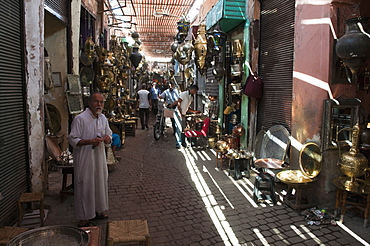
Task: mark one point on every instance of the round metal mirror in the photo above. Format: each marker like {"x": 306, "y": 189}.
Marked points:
{"x": 310, "y": 159}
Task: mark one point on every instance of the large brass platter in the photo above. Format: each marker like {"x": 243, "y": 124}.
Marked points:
{"x": 87, "y": 75}
{"x": 53, "y": 148}
{"x": 293, "y": 177}
{"x": 310, "y": 166}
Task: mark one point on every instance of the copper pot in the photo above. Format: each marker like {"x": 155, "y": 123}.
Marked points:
{"x": 238, "y": 131}
{"x": 232, "y": 142}
{"x": 211, "y": 142}
{"x": 222, "y": 145}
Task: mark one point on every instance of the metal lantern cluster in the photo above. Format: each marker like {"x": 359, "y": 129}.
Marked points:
{"x": 354, "y": 46}
{"x": 182, "y": 48}
{"x": 207, "y": 49}
{"x": 216, "y": 40}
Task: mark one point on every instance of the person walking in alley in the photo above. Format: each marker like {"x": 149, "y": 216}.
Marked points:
{"x": 183, "y": 104}
{"x": 143, "y": 96}
{"x": 90, "y": 134}
{"x": 154, "y": 93}
{"x": 171, "y": 95}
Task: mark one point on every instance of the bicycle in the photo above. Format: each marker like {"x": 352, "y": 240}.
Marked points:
{"x": 160, "y": 122}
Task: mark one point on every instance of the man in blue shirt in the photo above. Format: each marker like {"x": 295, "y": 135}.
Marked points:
{"x": 154, "y": 93}
{"x": 171, "y": 95}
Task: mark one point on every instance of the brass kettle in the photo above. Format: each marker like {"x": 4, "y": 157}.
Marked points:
{"x": 352, "y": 163}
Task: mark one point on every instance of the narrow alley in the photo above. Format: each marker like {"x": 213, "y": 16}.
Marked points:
{"x": 188, "y": 201}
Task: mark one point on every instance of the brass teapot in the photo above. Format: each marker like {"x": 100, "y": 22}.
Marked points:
{"x": 352, "y": 163}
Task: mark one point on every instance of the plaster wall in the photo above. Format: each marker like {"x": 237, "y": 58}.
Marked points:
{"x": 313, "y": 52}
{"x": 312, "y": 61}
{"x": 75, "y": 34}
{"x": 56, "y": 45}
{"x": 34, "y": 74}
{"x": 205, "y": 7}
{"x": 91, "y": 6}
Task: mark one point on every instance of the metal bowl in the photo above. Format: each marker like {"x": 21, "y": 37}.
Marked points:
{"x": 51, "y": 236}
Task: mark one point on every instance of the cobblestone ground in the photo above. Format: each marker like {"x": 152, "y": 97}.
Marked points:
{"x": 187, "y": 201}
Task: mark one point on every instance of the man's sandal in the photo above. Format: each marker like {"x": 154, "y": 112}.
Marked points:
{"x": 100, "y": 216}
{"x": 87, "y": 224}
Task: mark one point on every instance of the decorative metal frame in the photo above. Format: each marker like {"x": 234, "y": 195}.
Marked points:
{"x": 57, "y": 79}
{"x": 334, "y": 119}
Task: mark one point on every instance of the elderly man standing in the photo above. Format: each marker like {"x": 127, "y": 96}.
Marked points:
{"x": 90, "y": 134}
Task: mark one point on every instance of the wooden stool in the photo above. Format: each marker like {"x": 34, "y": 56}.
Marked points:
{"x": 66, "y": 190}
{"x": 297, "y": 200}
{"x": 29, "y": 198}
{"x": 7, "y": 233}
{"x": 136, "y": 119}
{"x": 130, "y": 126}
{"x": 343, "y": 201}
{"x": 264, "y": 182}
{"x": 128, "y": 231}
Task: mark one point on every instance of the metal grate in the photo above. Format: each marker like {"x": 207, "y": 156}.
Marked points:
{"x": 276, "y": 63}
{"x": 13, "y": 141}
{"x": 58, "y": 8}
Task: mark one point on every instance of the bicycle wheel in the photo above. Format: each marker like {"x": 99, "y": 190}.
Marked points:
{"x": 157, "y": 131}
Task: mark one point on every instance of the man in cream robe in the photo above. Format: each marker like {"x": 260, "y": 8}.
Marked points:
{"x": 89, "y": 129}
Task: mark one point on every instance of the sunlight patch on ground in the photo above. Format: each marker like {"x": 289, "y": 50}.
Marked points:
{"x": 260, "y": 236}
{"x": 345, "y": 228}
{"x": 213, "y": 209}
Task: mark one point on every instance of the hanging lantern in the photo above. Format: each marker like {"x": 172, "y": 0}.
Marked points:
{"x": 237, "y": 49}
{"x": 217, "y": 39}
{"x": 135, "y": 36}
{"x": 135, "y": 56}
{"x": 354, "y": 46}
{"x": 200, "y": 46}
{"x": 218, "y": 70}
{"x": 89, "y": 47}
{"x": 183, "y": 52}
{"x": 174, "y": 45}
{"x": 183, "y": 26}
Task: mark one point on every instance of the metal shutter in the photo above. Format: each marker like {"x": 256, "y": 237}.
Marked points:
{"x": 276, "y": 63}
{"x": 212, "y": 85}
{"x": 13, "y": 140}
{"x": 58, "y": 8}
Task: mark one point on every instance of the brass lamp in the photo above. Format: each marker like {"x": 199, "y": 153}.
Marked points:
{"x": 238, "y": 54}
{"x": 135, "y": 57}
{"x": 183, "y": 26}
{"x": 216, "y": 40}
{"x": 200, "y": 46}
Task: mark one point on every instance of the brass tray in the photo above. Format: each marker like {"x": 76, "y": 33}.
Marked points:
{"x": 310, "y": 166}
{"x": 53, "y": 149}
{"x": 51, "y": 236}
{"x": 293, "y": 177}
{"x": 359, "y": 186}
